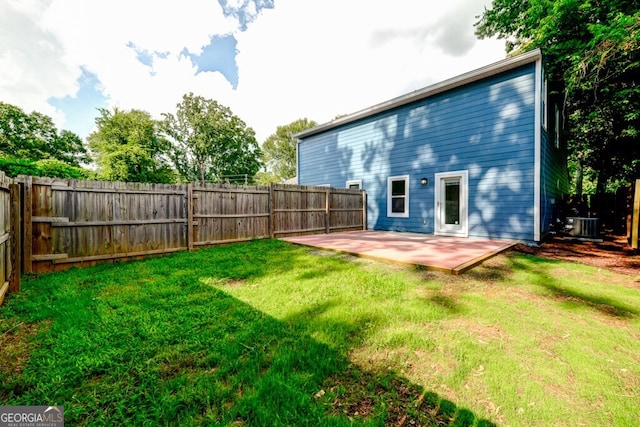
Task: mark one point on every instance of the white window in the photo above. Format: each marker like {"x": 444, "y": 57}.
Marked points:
{"x": 354, "y": 184}
{"x": 398, "y": 196}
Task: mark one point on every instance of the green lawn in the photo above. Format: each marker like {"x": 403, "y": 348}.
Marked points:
{"x": 266, "y": 333}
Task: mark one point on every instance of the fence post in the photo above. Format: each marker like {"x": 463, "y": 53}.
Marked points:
{"x": 14, "y": 283}
{"x": 27, "y": 227}
{"x": 272, "y": 218}
{"x": 190, "y": 217}
{"x": 327, "y": 210}
{"x": 635, "y": 226}
{"x": 364, "y": 210}
{"x": 628, "y": 210}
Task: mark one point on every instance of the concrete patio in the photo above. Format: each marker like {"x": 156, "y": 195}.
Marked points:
{"x": 453, "y": 255}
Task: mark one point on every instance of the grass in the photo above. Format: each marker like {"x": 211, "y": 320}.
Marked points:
{"x": 267, "y": 333}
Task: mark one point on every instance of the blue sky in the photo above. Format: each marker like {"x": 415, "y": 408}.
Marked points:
{"x": 270, "y": 61}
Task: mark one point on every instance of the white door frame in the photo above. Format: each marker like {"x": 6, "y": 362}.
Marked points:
{"x": 439, "y": 227}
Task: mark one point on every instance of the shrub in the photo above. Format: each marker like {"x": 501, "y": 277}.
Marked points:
{"x": 58, "y": 169}
{"x": 47, "y": 167}
{"x": 14, "y": 167}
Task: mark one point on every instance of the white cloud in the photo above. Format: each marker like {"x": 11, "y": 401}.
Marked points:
{"x": 323, "y": 58}
{"x": 304, "y": 58}
{"x": 44, "y": 44}
{"x": 33, "y": 66}
{"x": 164, "y": 26}
{"x": 98, "y": 35}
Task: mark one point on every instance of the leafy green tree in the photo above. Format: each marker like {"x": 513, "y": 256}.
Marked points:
{"x": 210, "y": 142}
{"x": 70, "y": 149}
{"x": 128, "y": 146}
{"x": 593, "y": 62}
{"x": 35, "y": 137}
{"x": 604, "y": 85}
{"x": 279, "y": 149}
{"x": 266, "y": 178}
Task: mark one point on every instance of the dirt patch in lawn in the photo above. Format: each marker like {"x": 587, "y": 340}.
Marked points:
{"x": 361, "y": 395}
{"x": 16, "y": 346}
{"x": 613, "y": 253}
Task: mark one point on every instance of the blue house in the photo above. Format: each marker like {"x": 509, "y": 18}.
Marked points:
{"x": 478, "y": 155}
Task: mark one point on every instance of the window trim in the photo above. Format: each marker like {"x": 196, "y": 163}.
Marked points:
{"x": 390, "y": 181}
{"x": 354, "y": 181}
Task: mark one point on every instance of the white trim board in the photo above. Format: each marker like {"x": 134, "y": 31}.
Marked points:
{"x": 537, "y": 136}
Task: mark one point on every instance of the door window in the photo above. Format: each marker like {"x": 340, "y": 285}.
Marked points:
{"x": 452, "y": 201}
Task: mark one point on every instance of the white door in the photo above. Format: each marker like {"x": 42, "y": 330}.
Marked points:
{"x": 451, "y": 197}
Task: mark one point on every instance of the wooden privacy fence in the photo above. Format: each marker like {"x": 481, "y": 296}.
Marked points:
{"x": 68, "y": 222}
{"x": 9, "y": 236}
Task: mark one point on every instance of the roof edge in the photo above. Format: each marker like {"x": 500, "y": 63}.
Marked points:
{"x": 431, "y": 90}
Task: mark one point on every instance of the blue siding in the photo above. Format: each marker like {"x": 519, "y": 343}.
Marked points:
{"x": 486, "y": 128}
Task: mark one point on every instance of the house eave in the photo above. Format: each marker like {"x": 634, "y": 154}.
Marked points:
{"x": 426, "y": 92}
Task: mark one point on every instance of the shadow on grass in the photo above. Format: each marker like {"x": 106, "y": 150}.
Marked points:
{"x": 446, "y": 302}
{"x": 544, "y": 276}
{"x": 149, "y": 344}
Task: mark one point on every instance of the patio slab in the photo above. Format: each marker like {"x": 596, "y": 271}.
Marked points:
{"x": 453, "y": 255}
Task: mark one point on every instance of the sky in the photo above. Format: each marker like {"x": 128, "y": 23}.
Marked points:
{"x": 270, "y": 61}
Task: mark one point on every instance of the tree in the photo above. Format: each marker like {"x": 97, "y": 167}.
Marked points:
{"x": 605, "y": 101}
{"x": 128, "y": 146}
{"x": 210, "y": 142}
{"x": 279, "y": 149}
{"x": 35, "y": 137}
{"x": 266, "y": 178}
{"x": 593, "y": 62}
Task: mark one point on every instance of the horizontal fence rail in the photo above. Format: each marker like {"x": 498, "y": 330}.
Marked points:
{"x": 69, "y": 222}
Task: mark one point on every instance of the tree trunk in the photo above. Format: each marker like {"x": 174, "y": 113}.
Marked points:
{"x": 601, "y": 187}
{"x": 579, "y": 179}
{"x": 201, "y": 167}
